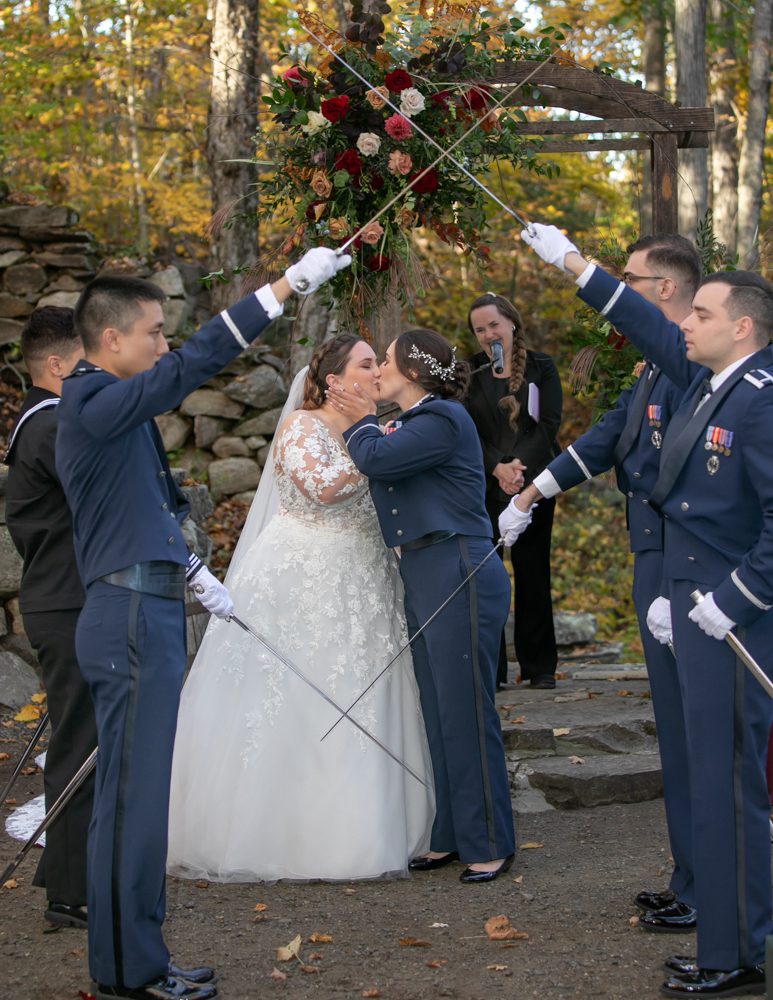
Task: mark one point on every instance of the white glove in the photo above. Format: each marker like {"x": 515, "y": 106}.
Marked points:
{"x": 659, "y": 620}
{"x": 549, "y": 243}
{"x": 513, "y": 522}
{"x": 212, "y": 593}
{"x": 315, "y": 268}
{"x": 707, "y": 616}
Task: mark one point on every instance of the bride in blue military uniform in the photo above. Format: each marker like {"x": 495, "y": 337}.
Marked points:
{"x": 428, "y": 485}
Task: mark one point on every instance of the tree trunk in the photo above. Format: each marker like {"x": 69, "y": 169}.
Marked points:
{"x": 691, "y": 91}
{"x": 233, "y": 103}
{"x": 752, "y": 161}
{"x": 654, "y": 66}
{"x": 135, "y": 156}
{"x": 724, "y": 162}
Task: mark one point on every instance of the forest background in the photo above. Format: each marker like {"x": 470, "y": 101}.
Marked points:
{"x": 147, "y": 118}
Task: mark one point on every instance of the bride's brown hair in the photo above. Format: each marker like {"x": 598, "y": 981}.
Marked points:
{"x": 329, "y": 358}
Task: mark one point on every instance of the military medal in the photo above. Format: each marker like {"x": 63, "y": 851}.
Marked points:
{"x": 718, "y": 439}
{"x": 657, "y": 438}
{"x": 713, "y": 465}
{"x": 655, "y": 413}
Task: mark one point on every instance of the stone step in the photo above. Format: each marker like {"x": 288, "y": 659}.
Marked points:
{"x": 599, "y": 780}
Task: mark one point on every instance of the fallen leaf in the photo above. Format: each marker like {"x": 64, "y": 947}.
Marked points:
{"x": 576, "y": 760}
{"x": 496, "y": 968}
{"x": 519, "y": 720}
{"x": 309, "y": 968}
{"x": 27, "y": 771}
{"x": 8, "y": 724}
{"x": 78, "y": 952}
{"x": 38, "y": 698}
{"x": 10, "y": 802}
{"x": 561, "y": 732}
{"x": 499, "y": 929}
{"x": 372, "y": 992}
{"x": 315, "y": 956}
{"x": 11, "y": 884}
{"x": 633, "y": 922}
{"x": 349, "y": 892}
{"x": 202, "y": 884}
{"x": 260, "y": 918}
{"x": 518, "y": 879}
{"x": 86, "y": 996}
{"x": 436, "y": 963}
{"x": 289, "y": 951}
{"x": 623, "y": 693}
{"x": 532, "y": 845}
{"x": 277, "y": 974}
{"x": 321, "y": 938}
{"x": 5, "y": 756}
{"x": 412, "y": 942}
{"x": 27, "y": 714}
{"x": 260, "y": 907}
{"x": 437, "y": 924}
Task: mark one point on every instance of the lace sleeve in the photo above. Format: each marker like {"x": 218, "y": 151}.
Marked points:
{"x": 305, "y": 451}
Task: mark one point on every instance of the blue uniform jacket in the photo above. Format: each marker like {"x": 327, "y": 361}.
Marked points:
{"x": 109, "y": 455}
{"x": 427, "y": 475}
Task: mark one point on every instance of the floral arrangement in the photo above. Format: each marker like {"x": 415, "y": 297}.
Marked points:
{"x": 344, "y": 148}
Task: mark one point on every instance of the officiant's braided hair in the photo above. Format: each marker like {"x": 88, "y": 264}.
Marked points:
{"x": 428, "y": 359}
{"x": 509, "y": 403}
{"x": 329, "y": 358}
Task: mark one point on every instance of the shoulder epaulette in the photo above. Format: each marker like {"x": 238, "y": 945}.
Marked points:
{"x": 759, "y": 378}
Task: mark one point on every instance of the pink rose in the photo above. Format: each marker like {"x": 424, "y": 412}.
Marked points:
{"x": 399, "y": 163}
{"x": 398, "y": 128}
{"x": 372, "y": 233}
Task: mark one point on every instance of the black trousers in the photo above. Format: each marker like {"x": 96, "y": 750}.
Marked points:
{"x": 533, "y": 634}
{"x": 62, "y": 867}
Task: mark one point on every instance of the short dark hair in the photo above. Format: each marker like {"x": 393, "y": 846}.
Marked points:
{"x": 750, "y": 295}
{"x": 451, "y": 383}
{"x": 111, "y": 301}
{"x": 48, "y": 330}
{"x": 674, "y": 253}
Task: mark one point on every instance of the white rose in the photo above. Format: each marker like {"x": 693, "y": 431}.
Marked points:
{"x": 411, "y": 102}
{"x": 315, "y": 123}
{"x": 368, "y": 143}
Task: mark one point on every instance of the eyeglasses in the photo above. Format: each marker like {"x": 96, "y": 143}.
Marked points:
{"x": 629, "y": 277}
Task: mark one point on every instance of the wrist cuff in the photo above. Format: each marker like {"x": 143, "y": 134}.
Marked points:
{"x": 582, "y": 279}
{"x": 269, "y": 301}
{"x": 547, "y": 484}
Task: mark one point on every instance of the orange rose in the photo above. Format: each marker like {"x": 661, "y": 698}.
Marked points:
{"x": 399, "y": 163}
{"x": 406, "y": 218}
{"x": 375, "y": 98}
{"x": 338, "y": 228}
{"x": 320, "y": 184}
{"x": 372, "y": 233}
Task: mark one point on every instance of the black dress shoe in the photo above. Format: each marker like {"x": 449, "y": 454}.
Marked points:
{"x": 165, "y": 988}
{"x": 63, "y": 915}
{"x": 543, "y": 682}
{"x": 676, "y": 918}
{"x": 201, "y": 975}
{"x": 685, "y": 965}
{"x": 430, "y": 864}
{"x": 651, "y": 899}
{"x": 470, "y": 875}
{"x": 716, "y": 983}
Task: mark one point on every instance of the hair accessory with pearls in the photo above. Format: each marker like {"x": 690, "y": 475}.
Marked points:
{"x": 432, "y": 363}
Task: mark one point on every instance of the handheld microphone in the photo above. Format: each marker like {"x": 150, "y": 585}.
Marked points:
{"x": 497, "y": 357}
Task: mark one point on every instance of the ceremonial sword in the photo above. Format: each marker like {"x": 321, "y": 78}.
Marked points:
{"x": 24, "y": 757}
{"x": 742, "y": 653}
{"x": 323, "y": 694}
{"x": 415, "y": 636}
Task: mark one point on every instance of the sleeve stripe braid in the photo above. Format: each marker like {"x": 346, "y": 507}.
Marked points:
{"x": 194, "y": 565}
{"x": 579, "y": 461}
{"x": 747, "y": 593}
{"x": 234, "y": 329}
{"x": 615, "y": 297}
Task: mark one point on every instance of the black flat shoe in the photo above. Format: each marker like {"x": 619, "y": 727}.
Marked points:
{"x": 165, "y": 988}
{"x": 675, "y": 919}
{"x": 684, "y": 965}
{"x": 544, "y": 682}
{"x": 650, "y": 899}
{"x": 470, "y": 875}
{"x": 201, "y": 975}
{"x": 430, "y": 864}
{"x": 63, "y": 915}
{"x": 716, "y": 983}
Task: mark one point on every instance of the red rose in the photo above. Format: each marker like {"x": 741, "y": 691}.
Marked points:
{"x": 376, "y": 182}
{"x": 477, "y": 98}
{"x": 335, "y": 108}
{"x": 398, "y": 128}
{"x": 379, "y": 262}
{"x": 295, "y": 79}
{"x": 349, "y": 161}
{"x": 398, "y": 80}
{"x": 442, "y": 98}
{"x": 428, "y": 183}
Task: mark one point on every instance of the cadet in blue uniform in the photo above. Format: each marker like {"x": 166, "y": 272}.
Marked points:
{"x": 715, "y": 491}
{"x": 428, "y": 486}
{"x": 132, "y": 560}
{"x": 665, "y": 270}
{"x": 50, "y": 598}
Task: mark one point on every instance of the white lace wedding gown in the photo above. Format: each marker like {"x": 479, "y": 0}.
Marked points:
{"x": 255, "y": 794}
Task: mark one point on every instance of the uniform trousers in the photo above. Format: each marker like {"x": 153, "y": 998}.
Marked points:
{"x": 455, "y": 661}
{"x": 668, "y": 708}
{"x": 534, "y": 636}
{"x": 728, "y": 718}
{"x": 131, "y": 649}
{"x": 62, "y": 866}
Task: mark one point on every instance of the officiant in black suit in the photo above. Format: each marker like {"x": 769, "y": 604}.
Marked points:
{"x": 517, "y": 413}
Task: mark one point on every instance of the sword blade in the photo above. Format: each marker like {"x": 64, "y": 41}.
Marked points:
{"x": 416, "y": 635}
{"x": 323, "y": 694}
{"x": 24, "y": 757}
{"x": 742, "y": 653}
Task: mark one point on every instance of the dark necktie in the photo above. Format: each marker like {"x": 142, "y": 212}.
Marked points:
{"x": 707, "y": 391}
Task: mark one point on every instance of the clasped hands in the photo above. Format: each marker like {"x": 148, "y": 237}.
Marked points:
{"x": 706, "y": 615}
{"x": 509, "y": 476}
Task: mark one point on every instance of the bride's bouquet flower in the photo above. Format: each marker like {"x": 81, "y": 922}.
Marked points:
{"x": 344, "y": 147}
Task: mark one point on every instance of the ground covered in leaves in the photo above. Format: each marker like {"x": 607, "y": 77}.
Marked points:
{"x": 563, "y": 927}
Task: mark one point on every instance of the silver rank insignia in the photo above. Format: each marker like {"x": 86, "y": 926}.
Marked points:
{"x": 713, "y": 465}
{"x": 657, "y": 438}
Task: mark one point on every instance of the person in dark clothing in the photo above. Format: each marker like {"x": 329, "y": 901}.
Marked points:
{"x": 50, "y": 600}
{"x": 517, "y": 414}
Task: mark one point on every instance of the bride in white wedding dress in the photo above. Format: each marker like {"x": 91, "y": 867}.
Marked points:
{"x": 255, "y": 794}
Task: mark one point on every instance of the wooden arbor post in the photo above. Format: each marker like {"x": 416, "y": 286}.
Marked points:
{"x": 642, "y": 120}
